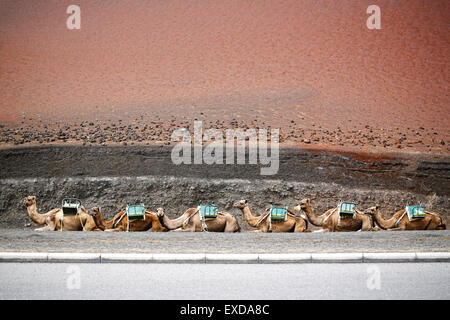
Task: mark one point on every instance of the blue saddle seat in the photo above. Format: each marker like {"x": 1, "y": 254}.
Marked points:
{"x": 71, "y": 206}
{"x": 208, "y": 211}
{"x": 415, "y": 212}
{"x": 136, "y": 212}
{"x": 347, "y": 210}
{"x": 278, "y": 214}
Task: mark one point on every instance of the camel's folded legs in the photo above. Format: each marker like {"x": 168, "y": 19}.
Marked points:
{"x": 113, "y": 230}
{"x": 396, "y": 229}
{"x": 46, "y": 228}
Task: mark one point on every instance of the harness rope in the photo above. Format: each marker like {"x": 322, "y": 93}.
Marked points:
{"x": 326, "y": 218}
{"x": 395, "y": 224}
{"x": 264, "y": 216}
{"x": 120, "y": 219}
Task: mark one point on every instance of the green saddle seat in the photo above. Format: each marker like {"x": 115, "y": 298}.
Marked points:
{"x": 71, "y": 206}
{"x": 278, "y": 214}
{"x": 136, "y": 212}
{"x": 415, "y": 212}
{"x": 208, "y": 211}
{"x": 347, "y": 210}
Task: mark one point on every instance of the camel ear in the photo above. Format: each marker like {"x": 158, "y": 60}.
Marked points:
{"x": 377, "y": 207}
{"x": 245, "y": 201}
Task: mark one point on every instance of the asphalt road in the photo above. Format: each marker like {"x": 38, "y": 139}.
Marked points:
{"x": 225, "y": 281}
{"x": 244, "y": 242}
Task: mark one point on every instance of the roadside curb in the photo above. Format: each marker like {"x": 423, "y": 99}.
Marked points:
{"x": 353, "y": 257}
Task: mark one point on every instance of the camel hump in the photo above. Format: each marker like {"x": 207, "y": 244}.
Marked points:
{"x": 225, "y": 214}
{"x": 294, "y": 214}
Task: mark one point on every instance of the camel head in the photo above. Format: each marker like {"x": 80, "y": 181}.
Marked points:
{"x": 303, "y": 205}
{"x": 159, "y": 212}
{"x": 371, "y": 210}
{"x": 95, "y": 212}
{"x": 240, "y": 204}
{"x": 28, "y": 201}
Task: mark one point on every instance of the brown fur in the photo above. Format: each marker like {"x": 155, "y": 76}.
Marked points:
{"x": 55, "y": 221}
{"x": 329, "y": 220}
{"x": 190, "y": 221}
{"x": 263, "y": 224}
{"x": 151, "y": 222}
{"x": 431, "y": 221}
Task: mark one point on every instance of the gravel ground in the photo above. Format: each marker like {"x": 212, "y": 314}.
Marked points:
{"x": 176, "y": 242}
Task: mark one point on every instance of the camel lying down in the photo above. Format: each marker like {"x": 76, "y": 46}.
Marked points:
{"x": 400, "y": 221}
{"x": 190, "y": 221}
{"x": 366, "y": 220}
{"x": 54, "y": 220}
{"x": 263, "y": 223}
{"x": 329, "y": 221}
{"x": 120, "y": 222}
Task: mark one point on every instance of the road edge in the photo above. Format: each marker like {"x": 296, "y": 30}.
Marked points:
{"x": 352, "y": 257}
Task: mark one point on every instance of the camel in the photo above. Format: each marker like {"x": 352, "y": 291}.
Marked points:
{"x": 400, "y": 221}
{"x": 44, "y": 219}
{"x": 329, "y": 221}
{"x": 263, "y": 223}
{"x": 54, "y": 220}
{"x": 120, "y": 222}
{"x": 190, "y": 221}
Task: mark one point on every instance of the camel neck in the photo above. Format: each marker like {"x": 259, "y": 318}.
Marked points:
{"x": 249, "y": 217}
{"x": 312, "y": 217}
{"x": 384, "y": 224}
{"x": 174, "y": 224}
{"x": 34, "y": 215}
{"x": 99, "y": 221}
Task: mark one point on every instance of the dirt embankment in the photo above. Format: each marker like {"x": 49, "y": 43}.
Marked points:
{"x": 111, "y": 177}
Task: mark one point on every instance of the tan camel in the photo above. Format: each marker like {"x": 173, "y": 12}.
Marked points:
{"x": 190, "y": 221}
{"x": 54, "y": 220}
{"x": 329, "y": 221}
{"x": 263, "y": 223}
{"x": 120, "y": 220}
{"x": 400, "y": 221}
{"x": 44, "y": 219}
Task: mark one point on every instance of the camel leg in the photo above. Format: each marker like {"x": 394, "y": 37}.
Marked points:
{"x": 396, "y": 229}
{"x": 428, "y": 226}
{"x": 322, "y": 230}
{"x": 366, "y": 226}
{"x": 118, "y": 229}
{"x": 300, "y": 227}
{"x": 50, "y": 221}
{"x": 189, "y": 228}
{"x": 46, "y": 228}
{"x": 229, "y": 227}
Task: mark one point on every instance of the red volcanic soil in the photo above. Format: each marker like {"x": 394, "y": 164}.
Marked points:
{"x": 311, "y": 68}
